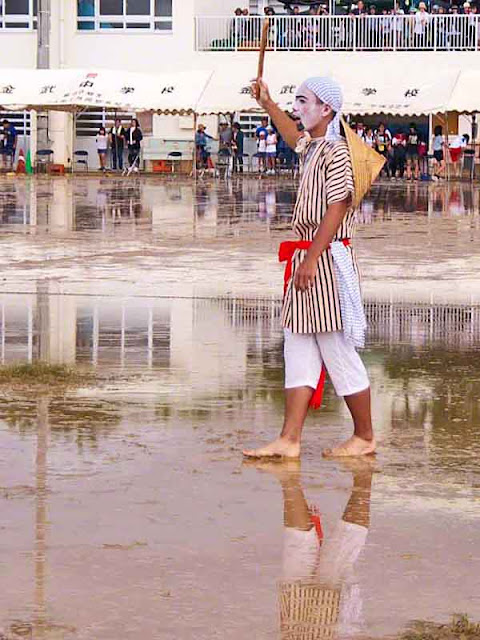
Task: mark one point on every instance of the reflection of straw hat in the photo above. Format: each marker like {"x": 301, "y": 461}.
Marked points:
{"x": 366, "y": 163}
{"x": 308, "y": 611}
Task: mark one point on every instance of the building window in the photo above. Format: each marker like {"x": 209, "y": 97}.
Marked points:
{"x": 18, "y": 14}
{"x": 140, "y": 15}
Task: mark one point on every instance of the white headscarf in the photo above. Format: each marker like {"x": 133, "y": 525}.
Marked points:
{"x": 329, "y": 92}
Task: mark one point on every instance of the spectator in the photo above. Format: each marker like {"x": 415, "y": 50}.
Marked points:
{"x": 237, "y": 28}
{"x": 360, "y": 9}
{"x": 237, "y": 148}
{"x": 201, "y": 146}
{"x": 369, "y": 137}
{"x": 262, "y": 151}
{"x": 438, "y": 153}
{"x": 360, "y": 129}
{"x": 271, "y": 151}
{"x": 225, "y": 138}
{"x": 117, "y": 136}
{"x": 469, "y": 28}
{"x": 382, "y": 145}
{"x": 456, "y": 146}
{"x": 9, "y": 146}
{"x": 269, "y": 11}
{"x": 134, "y": 139}
{"x": 263, "y": 127}
{"x": 421, "y": 27}
{"x": 399, "y": 144}
{"x": 101, "y": 141}
{"x": 413, "y": 140}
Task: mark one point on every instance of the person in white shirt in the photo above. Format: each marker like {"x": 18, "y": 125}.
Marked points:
{"x": 262, "y": 151}
{"x": 271, "y": 142}
{"x": 102, "y": 145}
{"x": 421, "y": 24}
{"x": 369, "y": 138}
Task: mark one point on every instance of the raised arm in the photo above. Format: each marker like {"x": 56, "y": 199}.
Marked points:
{"x": 284, "y": 124}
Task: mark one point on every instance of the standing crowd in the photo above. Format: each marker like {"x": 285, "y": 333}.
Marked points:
{"x": 271, "y": 150}
{"x": 409, "y": 25}
{"x": 406, "y": 151}
{"x": 117, "y": 140}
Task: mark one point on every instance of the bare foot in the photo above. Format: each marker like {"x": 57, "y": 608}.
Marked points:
{"x": 354, "y": 446}
{"x": 279, "y": 448}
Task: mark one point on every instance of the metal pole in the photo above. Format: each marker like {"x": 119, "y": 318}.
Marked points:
{"x": 43, "y": 62}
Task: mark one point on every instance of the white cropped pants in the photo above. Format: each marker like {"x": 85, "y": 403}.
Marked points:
{"x": 306, "y": 352}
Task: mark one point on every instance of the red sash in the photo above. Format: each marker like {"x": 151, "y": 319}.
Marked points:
{"x": 285, "y": 254}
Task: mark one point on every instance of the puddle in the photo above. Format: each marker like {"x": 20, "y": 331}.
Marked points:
{"x": 127, "y": 511}
{"x": 169, "y": 237}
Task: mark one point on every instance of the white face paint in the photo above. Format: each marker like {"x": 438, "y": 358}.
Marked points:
{"x": 309, "y": 109}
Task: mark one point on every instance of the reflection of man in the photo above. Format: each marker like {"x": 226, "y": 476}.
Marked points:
{"x": 319, "y": 592}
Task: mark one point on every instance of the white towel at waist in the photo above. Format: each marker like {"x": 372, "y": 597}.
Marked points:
{"x": 353, "y": 314}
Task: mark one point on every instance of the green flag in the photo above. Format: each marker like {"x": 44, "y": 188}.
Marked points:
{"x": 28, "y": 164}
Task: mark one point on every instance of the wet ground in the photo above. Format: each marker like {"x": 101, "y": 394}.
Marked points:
{"x": 126, "y": 509}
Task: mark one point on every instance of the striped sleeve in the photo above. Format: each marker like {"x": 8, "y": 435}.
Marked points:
{"x": 338, "y": 174}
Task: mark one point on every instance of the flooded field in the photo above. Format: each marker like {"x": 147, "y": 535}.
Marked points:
{"x": 126, "y": 508}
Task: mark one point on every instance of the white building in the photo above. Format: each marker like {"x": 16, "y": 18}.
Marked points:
{"x": 169, "y": 35}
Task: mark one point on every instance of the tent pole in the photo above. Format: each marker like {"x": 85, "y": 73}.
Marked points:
{"x": 447, "y": 150}
{"x": 194, "y": 163}
{"x": 74, "y": 139}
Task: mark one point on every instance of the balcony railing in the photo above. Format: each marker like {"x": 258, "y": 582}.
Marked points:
{"x": 341, "y": 33}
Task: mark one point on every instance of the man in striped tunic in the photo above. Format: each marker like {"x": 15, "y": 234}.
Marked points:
{"x": 317, "y": 307}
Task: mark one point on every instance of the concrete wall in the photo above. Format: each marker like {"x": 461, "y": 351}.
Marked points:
{"x": 19, "y": 50}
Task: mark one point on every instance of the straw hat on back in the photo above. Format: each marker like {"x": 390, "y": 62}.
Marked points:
{"x": 366, "y": 163}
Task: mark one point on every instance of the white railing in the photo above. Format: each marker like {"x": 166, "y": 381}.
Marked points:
{"x": 341, "y": 33}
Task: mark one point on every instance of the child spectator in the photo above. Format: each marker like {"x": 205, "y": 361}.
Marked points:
{"x": 382, "y": 145}
{"x": 102, "y": 147}
{"x": 399, "y": 144}
{"x": 262, "y": 151}
{"x": 271, "y": 142}
{"x": 369, "y": 137}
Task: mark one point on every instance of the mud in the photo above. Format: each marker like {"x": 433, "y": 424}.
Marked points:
{"x": 127, "y": 511}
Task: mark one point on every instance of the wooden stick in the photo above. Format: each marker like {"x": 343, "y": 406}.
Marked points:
{"x": 263, "y": 46}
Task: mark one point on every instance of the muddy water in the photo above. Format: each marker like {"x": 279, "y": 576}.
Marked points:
{"x": 126, "y": 510}
{"x": 169, "y": 237}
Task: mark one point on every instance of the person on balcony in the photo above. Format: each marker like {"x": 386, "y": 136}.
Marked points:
{"x": 421, "y": 27}
{"x": 469, "y": 26}
{"x": 236, "y": 29}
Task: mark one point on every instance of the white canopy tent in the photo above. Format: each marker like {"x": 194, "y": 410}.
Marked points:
{"x": 403, "y": 87}
{"x": 465, "y": 96}
{"x": 77, "y": 89}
